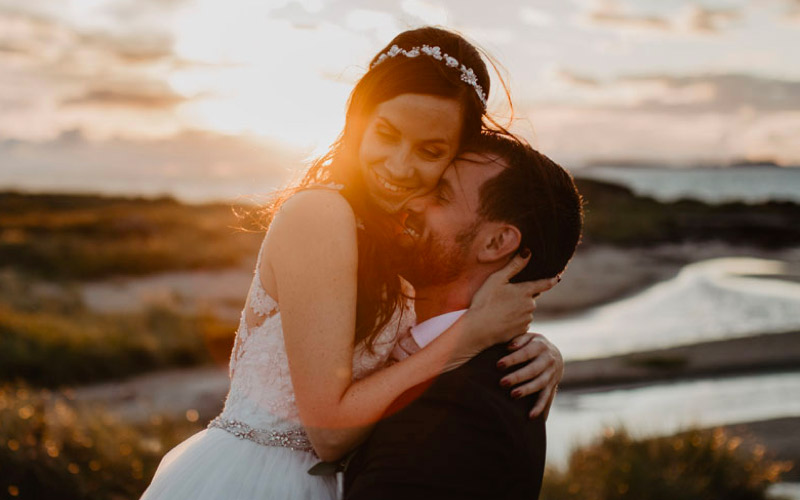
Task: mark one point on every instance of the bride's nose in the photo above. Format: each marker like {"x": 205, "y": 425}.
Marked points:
{"x": 398, "y": 163}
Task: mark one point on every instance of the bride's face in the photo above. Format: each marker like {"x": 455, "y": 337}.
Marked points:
{"x": 408, "y": 142}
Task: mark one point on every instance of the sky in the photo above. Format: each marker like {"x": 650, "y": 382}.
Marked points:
{"x": 159, "y": 95}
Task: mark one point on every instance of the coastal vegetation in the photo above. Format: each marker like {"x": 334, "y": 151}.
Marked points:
{"x": 696, "y": 464}
{"x": 53, "y": 447}
{"x": 83, "y": 237}
{"x": 52, "y": 339}
{"x": 616, "y": 216}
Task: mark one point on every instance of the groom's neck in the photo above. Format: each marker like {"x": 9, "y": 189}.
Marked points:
{"x": 434, "y": 300}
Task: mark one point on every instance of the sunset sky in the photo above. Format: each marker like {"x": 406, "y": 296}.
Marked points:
{"x": 153, "y": 92}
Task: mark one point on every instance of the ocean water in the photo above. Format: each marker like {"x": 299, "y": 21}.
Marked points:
{"x": 712, "y": 185}
{"x": 710, "y": 300}
{"x": 665, "y": 409}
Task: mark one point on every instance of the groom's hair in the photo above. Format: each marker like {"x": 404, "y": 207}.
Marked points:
{"x": 536, "y": 195}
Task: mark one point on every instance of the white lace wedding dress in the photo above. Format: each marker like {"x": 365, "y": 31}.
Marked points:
{"x": 257, "y": 448}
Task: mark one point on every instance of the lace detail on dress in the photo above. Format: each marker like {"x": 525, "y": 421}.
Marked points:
{"x": 261, "y": 303}
{"x": 261, "y": 396}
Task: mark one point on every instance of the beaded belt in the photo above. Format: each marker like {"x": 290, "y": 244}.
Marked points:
{"x": 295, "y": 439}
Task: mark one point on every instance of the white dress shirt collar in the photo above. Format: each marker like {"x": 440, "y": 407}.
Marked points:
{"x": 427, "y": 331}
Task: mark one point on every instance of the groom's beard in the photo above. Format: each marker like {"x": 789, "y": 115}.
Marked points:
{"x": 433, "y": 261}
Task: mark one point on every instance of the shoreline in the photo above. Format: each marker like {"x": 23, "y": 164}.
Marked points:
{"x": 774, "y": 352}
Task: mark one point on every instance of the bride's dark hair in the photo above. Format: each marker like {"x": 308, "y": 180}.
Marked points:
{"x": 379, "y": 290}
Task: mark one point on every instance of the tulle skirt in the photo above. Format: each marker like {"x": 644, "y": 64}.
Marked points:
{"x": 214, "y": 464}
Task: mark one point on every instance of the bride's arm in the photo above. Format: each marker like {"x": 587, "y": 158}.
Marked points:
{"x": 313, "y": 256}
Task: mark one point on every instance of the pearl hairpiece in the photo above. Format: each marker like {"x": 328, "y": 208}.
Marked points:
{"x": 467, "y": 75}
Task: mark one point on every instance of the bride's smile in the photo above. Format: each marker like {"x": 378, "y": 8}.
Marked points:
{"x": 409, "y": 141}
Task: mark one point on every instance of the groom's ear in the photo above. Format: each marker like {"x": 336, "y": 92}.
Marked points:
{"x": 499, "y": 241}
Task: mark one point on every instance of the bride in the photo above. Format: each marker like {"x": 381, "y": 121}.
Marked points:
{"x": 308, "y": 369}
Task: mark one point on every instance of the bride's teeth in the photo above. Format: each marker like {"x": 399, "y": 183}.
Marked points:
{"x": 391, "y": 187}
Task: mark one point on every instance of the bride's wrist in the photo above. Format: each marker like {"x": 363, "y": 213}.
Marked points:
{"x": 474, "y": 337}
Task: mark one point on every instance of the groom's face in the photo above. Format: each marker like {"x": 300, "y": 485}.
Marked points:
{"x": 442, "y": 226}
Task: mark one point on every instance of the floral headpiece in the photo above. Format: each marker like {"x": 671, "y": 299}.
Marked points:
{"x": 467, "y": 75}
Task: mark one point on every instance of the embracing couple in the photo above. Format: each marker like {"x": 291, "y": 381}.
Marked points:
{"x": 390, "y": 303}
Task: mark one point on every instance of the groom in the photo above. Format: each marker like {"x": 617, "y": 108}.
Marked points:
{"x": 462, "y": 435}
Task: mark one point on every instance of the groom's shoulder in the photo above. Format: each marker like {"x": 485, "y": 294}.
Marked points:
{"x": 481, "y": 369}
{"x": 477, "y": 384}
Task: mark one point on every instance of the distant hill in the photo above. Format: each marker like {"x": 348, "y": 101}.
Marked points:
{"x": 89, "y": 237}
{"x": 615, "y": 215}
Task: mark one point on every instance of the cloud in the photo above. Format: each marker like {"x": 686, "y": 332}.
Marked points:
{"x": 535, "y": 17}
{"x": 668, "y": 118}
{"x": 611, "y": 13}
{"x": 792, "y": 12}
{"x": 575, "y": 137}
{"x": 729, "y": 93}
{"x": 194, "y": 164}
{"x": 132, "y": 48}
{"x": 298, "y": 15}
{"x": 155, "y": 97}
{"x": 692, "y": 94}
{"x": 426, "y": 12}
{"x": 575, "y": 79}
{"x": 690, "y": 19}
{"x": 697, "y": 19}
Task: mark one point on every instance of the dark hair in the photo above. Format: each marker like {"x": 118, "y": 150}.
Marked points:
{"x": 539, "y": 197}
{"x": 379, "y": 291}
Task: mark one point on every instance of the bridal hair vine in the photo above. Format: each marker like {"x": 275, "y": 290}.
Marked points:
{"x": 467, "y": 75}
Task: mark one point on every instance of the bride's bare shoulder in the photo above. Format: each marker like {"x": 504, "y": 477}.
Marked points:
{"x": 319, "y": 213}
{"x": 320, "y": 205}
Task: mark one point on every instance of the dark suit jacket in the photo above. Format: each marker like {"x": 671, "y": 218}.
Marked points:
{"x": 460, "y": 436}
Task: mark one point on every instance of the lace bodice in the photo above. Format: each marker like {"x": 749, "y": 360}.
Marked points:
{"x": 261, "y": 395}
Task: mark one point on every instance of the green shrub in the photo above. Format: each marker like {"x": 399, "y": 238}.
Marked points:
{"x": 52, "y": 348}
{"x": 697, "y": 464}
{"x": 50, "y": 448}
{"x": 91, "y": 237}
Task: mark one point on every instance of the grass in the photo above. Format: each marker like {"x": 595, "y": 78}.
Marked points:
{"x": 54, "y": 340}
{"x": 89, "y": 237}
{"x": 50, "y": 349}
{"x": 694, "y": 465}
{"x": 51, "y": 448}
{"x": 75, "y": 237}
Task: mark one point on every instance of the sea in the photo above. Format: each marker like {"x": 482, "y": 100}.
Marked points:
{"x": 748, "y": 184}
{"x": 710, "y": 300}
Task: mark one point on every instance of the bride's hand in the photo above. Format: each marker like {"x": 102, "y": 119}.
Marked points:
{"x": 542, "y": 372}
{"x": 501, "y": 311}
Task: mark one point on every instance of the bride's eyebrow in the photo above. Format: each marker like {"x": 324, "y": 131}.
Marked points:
{"x": 386, "y": 122}
{"x": 382, "y": 120}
